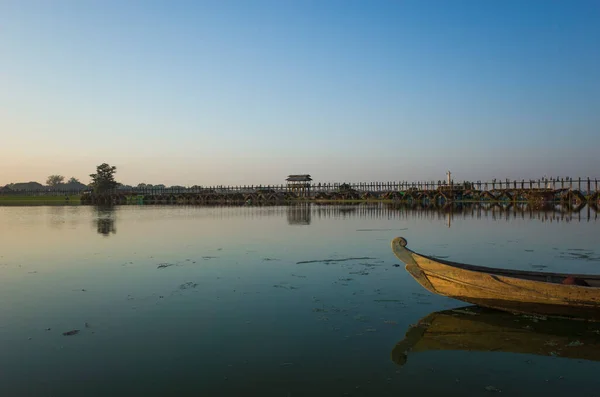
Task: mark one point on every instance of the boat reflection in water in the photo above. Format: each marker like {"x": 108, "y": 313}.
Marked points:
{"x": 473, "y": 328}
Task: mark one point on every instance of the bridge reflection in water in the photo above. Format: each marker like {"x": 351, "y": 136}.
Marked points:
{"x": 299, "y": 214}
{"x": 446, "y": 214}
{"x": 304, "y": 214}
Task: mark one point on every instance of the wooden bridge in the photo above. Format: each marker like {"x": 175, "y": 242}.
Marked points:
{"x": 565, "y": 191}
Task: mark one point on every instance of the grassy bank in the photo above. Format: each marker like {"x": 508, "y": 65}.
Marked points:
{"x": 38, "y": 200}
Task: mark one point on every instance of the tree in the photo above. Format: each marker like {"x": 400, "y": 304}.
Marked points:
{"x": 55, "y": 180}
{"x": 73, "y": 180}
{"x": 104, "y": 178}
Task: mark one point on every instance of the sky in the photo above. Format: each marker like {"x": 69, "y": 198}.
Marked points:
{"x": 248, "y": 92}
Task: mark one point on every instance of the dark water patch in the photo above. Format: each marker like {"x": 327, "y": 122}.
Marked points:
{"x": 529, "y": 250}
{"x": 270, "y": 259}
{"x": 209, "y": 257}
{"x": 165, "y": 265}
{"x": 71, "y": 332}
{"x": 328, "y": 261}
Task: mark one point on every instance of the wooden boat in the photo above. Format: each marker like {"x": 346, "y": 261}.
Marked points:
{"x": 474, "y": 328}
{"x": 517, "y": 291}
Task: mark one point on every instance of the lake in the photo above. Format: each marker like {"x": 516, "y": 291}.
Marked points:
{"x": 269, "y": 301}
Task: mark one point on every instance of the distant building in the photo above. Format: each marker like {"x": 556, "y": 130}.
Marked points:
{"x": 299, "y": 184}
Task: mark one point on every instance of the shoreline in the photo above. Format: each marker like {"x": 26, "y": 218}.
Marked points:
{"x": 76, "y": 200}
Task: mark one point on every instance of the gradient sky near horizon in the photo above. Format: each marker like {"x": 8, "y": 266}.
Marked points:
{"x": 234, "y": 92}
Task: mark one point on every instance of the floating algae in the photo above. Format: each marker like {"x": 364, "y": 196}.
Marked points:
{"x": 579, "y": 254}
{"x": 328, "y": 261}
{"x": 164, "y": 265}
{"x": 380, "y": 230}
{"x": 282, "y": 285}
{"x": 188, "y": 285}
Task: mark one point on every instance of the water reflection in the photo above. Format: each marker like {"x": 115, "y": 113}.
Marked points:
{"x": 105, "y": 220}
{"x": 473, "y": 328}
{"x": 298, "y": 214}
{"x": 447, "y": 214}
{"x": 307, "y": 213}
{"x": 57, "y": 216}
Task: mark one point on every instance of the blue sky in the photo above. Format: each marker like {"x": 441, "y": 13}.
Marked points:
{"x": 228, "y": 92}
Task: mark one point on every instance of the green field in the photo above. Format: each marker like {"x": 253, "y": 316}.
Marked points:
{"x": 38, "y": 200}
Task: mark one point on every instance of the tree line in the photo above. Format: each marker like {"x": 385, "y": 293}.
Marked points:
{"x": 101, "y": 181}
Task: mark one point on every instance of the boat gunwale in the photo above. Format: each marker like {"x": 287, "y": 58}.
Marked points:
{"x": 397, "y": 243}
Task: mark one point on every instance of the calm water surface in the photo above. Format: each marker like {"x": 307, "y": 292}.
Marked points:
{"x": 263, "y": 301}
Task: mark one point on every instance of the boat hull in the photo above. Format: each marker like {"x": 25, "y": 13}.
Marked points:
{"x": 513, "y": 291}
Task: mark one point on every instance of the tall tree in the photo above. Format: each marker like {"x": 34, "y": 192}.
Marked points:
{"x": 55, "y": 180}
{"x": 73, "y": 180}
{"x": 104, "y": 178}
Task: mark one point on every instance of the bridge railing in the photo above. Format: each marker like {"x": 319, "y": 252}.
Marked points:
{"x": 584, "y": 185}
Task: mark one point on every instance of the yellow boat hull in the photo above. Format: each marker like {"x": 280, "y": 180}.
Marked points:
{"x": 510, "y": 290}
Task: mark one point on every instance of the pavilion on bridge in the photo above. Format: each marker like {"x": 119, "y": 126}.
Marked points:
{"x": 299, "y": 184}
